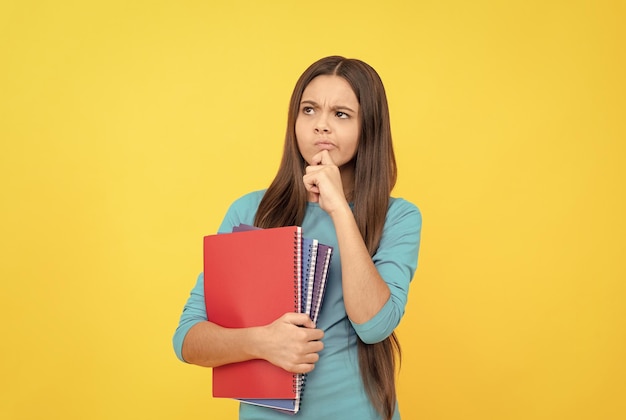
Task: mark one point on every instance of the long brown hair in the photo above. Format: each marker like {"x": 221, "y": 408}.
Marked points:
{"x": 284, "y": 202}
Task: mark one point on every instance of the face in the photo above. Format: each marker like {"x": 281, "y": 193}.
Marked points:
{"x": 328, "y": 119}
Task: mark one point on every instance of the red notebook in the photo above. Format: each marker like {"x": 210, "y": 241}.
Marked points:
{"x": 252, "y": 278}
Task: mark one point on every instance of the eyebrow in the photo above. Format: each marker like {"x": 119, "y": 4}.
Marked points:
{"x": 335, "y": 108}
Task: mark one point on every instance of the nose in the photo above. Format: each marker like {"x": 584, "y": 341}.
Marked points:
{"x": 321, "y": 125}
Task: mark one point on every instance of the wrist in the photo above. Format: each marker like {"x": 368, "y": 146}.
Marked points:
{"x": 341, "y": 213}
{"x": 255, "y": 342}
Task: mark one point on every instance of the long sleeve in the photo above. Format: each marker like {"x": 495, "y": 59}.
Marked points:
{"x": 396, "y": 262}
{"x": 242, "y": 210}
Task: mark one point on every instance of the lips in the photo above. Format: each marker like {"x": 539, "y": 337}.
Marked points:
{"x": 324, "y": 145}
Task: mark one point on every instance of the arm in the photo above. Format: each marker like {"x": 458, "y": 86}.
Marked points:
{"x": 207, "y": 344}
{"x": 282, "y": 343}
{"x": 396, "y": 262}
{"x": 364, "y": 290}
{"x": 375, "y": 288}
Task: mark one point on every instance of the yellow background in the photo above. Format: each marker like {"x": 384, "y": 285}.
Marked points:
{"x": 128, "y": 127}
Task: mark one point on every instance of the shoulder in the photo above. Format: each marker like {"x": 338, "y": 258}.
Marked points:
{"x": 242, "y": 210}
{"x": 249, "y": 200}
{"x": 400, "y": 240}
{"x": 403, "y": 217}
{"x": 403, "y": 210}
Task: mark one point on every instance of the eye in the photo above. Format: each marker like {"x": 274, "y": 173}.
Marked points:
{"x": 340, "y": 114}
{"x": 308, "y": 110}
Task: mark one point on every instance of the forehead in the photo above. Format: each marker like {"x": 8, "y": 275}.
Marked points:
{"x": 330, "y": 89}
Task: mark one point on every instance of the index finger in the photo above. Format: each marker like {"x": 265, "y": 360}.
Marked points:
{"x": 299, "y": 319}
{"x": 323, "y": 158}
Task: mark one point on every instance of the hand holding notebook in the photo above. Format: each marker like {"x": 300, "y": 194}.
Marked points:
{"x": 292, "y": 347}
{"x": 270, "y": 278}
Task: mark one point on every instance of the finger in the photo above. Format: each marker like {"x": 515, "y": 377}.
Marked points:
{"x": 322, "y": 158}
{"x": 310, "y": 358}
{"x": 303, "y": 368}
{"x": 325, "y": 158}
{"x": 301, "y": 320}
{"x": 314, "y": 347}
{"x": 316, "y": 335}
{"x": 317, "y": 159}
{"x": 310, "y": 185}
{"x": 311, "y": 169}
{"x": 309, "y": 179}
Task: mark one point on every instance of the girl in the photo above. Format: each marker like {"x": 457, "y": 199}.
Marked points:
{"x": 335, "y": 179}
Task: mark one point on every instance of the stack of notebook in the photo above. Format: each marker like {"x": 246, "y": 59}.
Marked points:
{"x": 252, "y": 277}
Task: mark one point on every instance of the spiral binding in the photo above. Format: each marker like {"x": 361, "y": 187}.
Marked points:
{"x": 298, "y": 378}
{"x": 297, "y": 263}
{"x": 305, "y": 276}
{"x": 319, "y": 293}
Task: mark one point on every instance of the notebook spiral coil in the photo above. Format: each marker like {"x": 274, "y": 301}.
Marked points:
{"x": 297, "y": 245}
{"x": 308, "y": 252}
{"x": 298, "y": 280}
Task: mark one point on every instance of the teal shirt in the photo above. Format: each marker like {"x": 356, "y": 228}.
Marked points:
{"x": 334, "y": 389}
